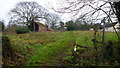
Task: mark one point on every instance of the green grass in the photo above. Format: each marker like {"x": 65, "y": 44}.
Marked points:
{"x": 41, "y": 48}
{"x": 45, "y": 53}
{"x": 83, "y": 38}
{"x": 111, "y": 36}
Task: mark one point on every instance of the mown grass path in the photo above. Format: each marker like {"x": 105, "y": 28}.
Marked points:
{"x": 52, "y": 53}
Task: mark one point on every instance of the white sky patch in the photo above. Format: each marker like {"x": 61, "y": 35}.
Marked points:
{"x": 7, "y": 5}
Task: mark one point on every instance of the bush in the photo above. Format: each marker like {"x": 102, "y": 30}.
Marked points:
{"x": 22, "y": 30}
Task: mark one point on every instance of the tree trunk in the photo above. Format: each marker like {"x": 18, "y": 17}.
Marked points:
{"x": 117, "y": 9}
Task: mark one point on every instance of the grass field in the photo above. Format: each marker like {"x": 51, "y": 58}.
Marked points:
{"x": 50, "y": 49}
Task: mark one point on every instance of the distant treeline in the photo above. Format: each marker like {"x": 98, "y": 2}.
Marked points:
{"x": 70, "y": 25}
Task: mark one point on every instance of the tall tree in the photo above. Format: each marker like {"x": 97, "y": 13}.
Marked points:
{"x": 62, "y": 25}
{"x": 52, "y": 19}
{"x": 117, "y": 9}
{"x": 27, "y": 12}
{"x": 2, "y": 26}
{"x": 70, "y": 25}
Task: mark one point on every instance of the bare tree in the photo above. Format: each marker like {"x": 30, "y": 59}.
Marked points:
{"x": 27, "y": 12}
{"x": 52, "y": 19}
{"x": 116, "y": 9}
{"x": 92, "y": 10}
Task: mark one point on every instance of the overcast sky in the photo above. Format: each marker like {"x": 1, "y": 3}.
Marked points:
{"x": 7, "y": 5}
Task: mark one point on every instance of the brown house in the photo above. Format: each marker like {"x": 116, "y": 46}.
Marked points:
{"x": 39, "y": 27}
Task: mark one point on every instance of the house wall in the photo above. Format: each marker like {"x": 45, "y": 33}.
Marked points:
{"x": 111, "y": 29}
{"x": 42, "y": 28}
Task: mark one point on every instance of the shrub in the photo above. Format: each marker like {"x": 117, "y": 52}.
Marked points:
{"x": 22, "y": 30}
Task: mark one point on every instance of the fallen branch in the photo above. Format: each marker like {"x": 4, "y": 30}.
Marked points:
{"x": 81, "y": 46}
{"x": 19, "y": 55}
